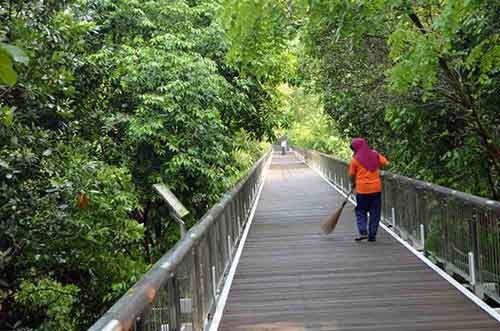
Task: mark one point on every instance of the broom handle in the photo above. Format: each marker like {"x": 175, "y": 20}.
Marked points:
{"x": 347, "y": 197}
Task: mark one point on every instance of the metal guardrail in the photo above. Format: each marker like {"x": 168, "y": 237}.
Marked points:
{"x": 180, "y": 291}
{"x": 459, "y": 231}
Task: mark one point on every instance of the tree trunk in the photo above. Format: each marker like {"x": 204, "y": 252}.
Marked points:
{"x": 495, "y": 195}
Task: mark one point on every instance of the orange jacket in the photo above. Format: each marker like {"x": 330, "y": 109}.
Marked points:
{"x": 367, "y": 181}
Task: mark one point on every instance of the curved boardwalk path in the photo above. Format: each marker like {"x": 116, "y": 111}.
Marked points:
{"x": 290, "y": 277}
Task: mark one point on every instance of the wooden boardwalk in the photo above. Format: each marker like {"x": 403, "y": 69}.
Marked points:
{"x": 291, "y": 277}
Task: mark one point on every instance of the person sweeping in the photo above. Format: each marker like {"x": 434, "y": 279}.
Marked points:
{"x": 365, "y": 176}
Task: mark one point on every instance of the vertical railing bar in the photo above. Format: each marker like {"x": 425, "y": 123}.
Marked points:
{"x": 422, "y": 237}
{"x": 214, "y": 282}
{"x": 196, "y": 299}
{"x": 475, "y": 249}
{"x": 472, "y": 269}
{"x": 175, "y": 308}
{"x": 445, "y": 231}
{"x": 393, "y": 217}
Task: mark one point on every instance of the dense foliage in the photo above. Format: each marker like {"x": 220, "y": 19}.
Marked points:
{"x": 420, "y": 80}
{"x": 311, "y": 127}
{"x": 100, "y": 100}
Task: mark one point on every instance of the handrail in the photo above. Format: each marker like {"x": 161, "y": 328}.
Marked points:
{"x": 425, "y": 185}
{"x": 460, "y": 231}
{"x": 181, "y": 289}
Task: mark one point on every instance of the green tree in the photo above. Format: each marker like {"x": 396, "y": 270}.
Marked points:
{"x": 419, "y": 80}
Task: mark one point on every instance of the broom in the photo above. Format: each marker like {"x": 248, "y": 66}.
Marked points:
{"x": 329, "y": 223}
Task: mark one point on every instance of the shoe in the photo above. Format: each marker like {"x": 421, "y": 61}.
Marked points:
{"x": 372, "y": 239}
{"x": 360, "y": 238}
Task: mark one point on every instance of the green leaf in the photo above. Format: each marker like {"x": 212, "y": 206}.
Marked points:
{"x": 4, "y": 164}
{"x": 7, "y": 74}
{"x": 8, "y": 116}
{"x": 16, "y": 53}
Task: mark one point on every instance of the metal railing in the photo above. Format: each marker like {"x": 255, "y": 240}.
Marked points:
{"x": 459, "y": 231}
{"x": 180, "y": 292}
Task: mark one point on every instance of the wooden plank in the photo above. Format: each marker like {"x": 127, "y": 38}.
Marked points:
{"x": 291, "y": 277}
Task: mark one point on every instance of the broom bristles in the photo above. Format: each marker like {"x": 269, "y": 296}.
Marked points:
{"x": 329, "y": 223}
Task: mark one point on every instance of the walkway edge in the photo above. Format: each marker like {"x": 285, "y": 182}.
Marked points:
{"x": 221, "y": 303}
{"x": 484, "y": 306}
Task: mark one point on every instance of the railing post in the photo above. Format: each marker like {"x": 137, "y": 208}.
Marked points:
{"x": 214, "y": 282}
{"x": 237, "y": 211}
{"x": 230, "y": 247}
{"x": 214, "y": 260}
{"x": 243, "y": 205}
{"x": 445, "y": 232}
{"x": 229, "y": 229}
{"x": 182, "y": 225}
{"x": 422, "y": 237}
{"x": 224, "y": 230}
{"x": 175, "y": 308}
{"x": 237, "y": 200}
{"x": 474, "y": 253}
{"x": 472, "y": 270}
{"x": 234, "y": 219}
{"x": 245, "y": 200}
{"x": 393, "y": 217}
{"x": 197, "y": 309}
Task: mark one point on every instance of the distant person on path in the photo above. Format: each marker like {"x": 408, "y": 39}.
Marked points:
{"x": 364, "y": 172}
{"x": 283, "y": 147}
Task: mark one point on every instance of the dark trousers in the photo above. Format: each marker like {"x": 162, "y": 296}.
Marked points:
{"x": 368, "y": 203}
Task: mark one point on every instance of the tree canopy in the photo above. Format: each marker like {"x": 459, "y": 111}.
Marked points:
{"x": 420, "y": 80}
